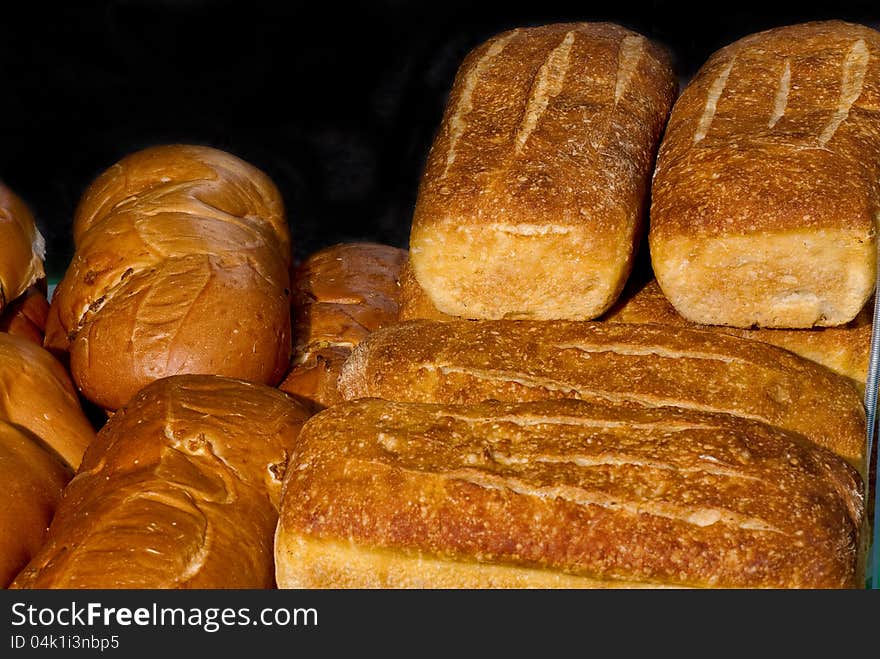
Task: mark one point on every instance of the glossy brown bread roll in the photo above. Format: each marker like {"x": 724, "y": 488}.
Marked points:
{"x": 340, "y": 295}
{"x": 32, "y": 479}
{"x": 180, "y": 490}
{"x": 562, "y": 494}
{"x": 532, "y": 199}
{"x": 767, "y": 189}
{"x": 22, "y": 248}
{"x": 27, "y": 315}
{"x": 37, "y": 395}
{"x": 651, "y": 365}
{"x": 181, "y": 266}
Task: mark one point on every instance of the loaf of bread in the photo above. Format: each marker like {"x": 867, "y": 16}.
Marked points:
{"x": 340, "y": 295}
{"x": 27, "y": 315}
{"x": 181, "y": 266}
{"x": 845, "y": 349}
{"x": 32, "y": 479}
{"x": 414, "y": 302}
{"x": 531, "y": 202}
{"x": 766, "y": 196}
{"x": 561, "y": 494}
{"x": 37, "y": 395}
{"x": 22, "y": 248}
{"x": 650, "y": 365}
{"x": 180, "y": 489}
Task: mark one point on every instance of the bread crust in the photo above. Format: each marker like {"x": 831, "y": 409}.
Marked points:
{"x": 341, "y": 294}
{"x": 181, "y": 266}
{"x": 766, "y": 193}
{"x": 465, "y": 362}
{"x": 562, "y": 491}
{"x": 180, "y": 490}
{"x": 531, "y": 202}
{"x": 22, "y": 248}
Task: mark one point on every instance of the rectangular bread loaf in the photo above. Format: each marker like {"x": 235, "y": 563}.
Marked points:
{"x": 561, "y": 494}
{"x": 466, "y": 362}
{"x": 767, "y": 190}
{"x": 531, "y": 202}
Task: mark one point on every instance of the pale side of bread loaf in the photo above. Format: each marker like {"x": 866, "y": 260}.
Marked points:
{"x": 181, "y": 266}
{"x": 340, "y": 294}
{"x": 531, "y": 202}
{"x": 180, "y": 489}
{"x": 562, "y": 493}
{"x": 22, "y": 248}
{"x": 660, "y": 366}
{"x": 766, "y": 195}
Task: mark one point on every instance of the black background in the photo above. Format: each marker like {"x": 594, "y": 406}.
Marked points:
{"x": 337, "y": 102}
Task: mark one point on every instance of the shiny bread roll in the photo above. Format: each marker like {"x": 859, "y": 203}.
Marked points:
{"x": 340, "y": 295}
{"x": 32, "y": 479}
{"x": 181, "y": 266}
{"x": 22, "y": 248}
{"x": 532, "y": 199}
{"x": 36, "y": 394}
{"x": 766, "y": 196}
{"x": 27, "y": 315}
{"x": 179, "y": 490}
{"x": 465, "y": 362}
{"x": 562, "y": 494}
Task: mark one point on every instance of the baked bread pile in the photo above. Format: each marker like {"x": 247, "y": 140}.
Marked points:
{"x": 505, "y": 405}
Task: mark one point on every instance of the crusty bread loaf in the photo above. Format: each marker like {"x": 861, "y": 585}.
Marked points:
{"x": 340, "y": 295}
{"x": 181, "y": 266}
{"x": 561, "y": 493}
{"x": 32, "y": 479}
{"x": 845, "y": 350}
{"x": 180, "y": 490}
{"x": 531, "y": 202}
{"x": 650, "y": 365}
{"x": 766, "y": 195}
{"x": 22, "y": 248}
{"x": 27, "y": 315}
{"x": 37, "y": 395}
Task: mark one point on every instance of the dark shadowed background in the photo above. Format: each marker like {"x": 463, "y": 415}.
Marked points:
{"x": 337, "y": 102}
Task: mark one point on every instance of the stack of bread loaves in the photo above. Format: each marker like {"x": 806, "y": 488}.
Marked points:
{"x": 499, "y": 439}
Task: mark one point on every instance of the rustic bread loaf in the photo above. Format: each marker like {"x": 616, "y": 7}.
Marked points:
{"x": 532, "y": 199}
{"x": 26, "y": 316}
{"x": 651, "y": 365}
{"x": 181, "y": 266}
{"x": 767, "y": 189}
{"x": 180, "y": 490}
{"x": 561, "y": 494}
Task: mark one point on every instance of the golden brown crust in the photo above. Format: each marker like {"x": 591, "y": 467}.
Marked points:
{"x": 32, "y": 480}
{"x": 340, "y": 295}
{"x": 845, "y": 350}
{"x": 37, "y": 395}
{"x": 180, "y": 490}
{"x": 651, "y": 365}
{"x": 22, "y": 248}
{"x": 414, "y": 302}
{"x": 605, "y": 492}
{"x": 181, "y": 266}
{"x": 27, "y": 315}
{"x": 766, "y": 192}
{"x": 531, "y": 201}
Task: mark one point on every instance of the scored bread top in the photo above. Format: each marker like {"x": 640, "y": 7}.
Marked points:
{"x": 613, "y": 492}
{"x": 777, "y": 131}
{"x": 651, "y": 365}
